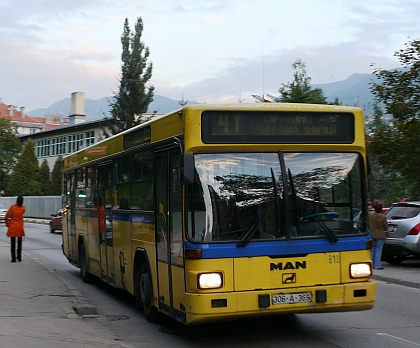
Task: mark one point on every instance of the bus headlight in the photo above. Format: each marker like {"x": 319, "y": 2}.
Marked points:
{"x": 210, "y": 280}
{"x": 360, "y": 270}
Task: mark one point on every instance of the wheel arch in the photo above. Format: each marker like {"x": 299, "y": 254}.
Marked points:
{"x": 140, "y": 258}
{"x": 81, "y": 243}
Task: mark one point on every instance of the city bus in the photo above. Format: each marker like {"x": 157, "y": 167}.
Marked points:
{"x": 222, "y": 212}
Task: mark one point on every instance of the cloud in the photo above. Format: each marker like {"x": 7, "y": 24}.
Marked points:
{"x": 206, "y": 50}
{"x": 37, "y": 80}
{"x": 208, "y": 20}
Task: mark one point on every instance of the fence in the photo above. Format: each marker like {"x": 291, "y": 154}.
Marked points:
{"x": 40, "y": 207}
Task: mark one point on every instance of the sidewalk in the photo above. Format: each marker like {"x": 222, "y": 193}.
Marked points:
{"x": 38, "y": 309}
{"x": 408, "y": 276}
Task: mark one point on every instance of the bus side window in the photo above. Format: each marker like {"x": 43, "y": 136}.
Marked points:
{"x": 124, "y": 204}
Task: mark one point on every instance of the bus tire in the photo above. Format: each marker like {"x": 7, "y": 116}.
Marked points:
{"x": 83, "y": 264}
{"x": 146, "y": 294}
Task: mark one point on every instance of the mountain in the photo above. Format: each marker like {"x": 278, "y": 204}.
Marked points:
{"x": 97, "y": 109}
{"x": 353, "y": 91}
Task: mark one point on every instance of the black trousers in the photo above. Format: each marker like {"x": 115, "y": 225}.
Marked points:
{"x": 13, "y": 247}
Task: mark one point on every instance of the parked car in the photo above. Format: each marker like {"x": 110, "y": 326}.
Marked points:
{"x": 358, "y": 215}
{"x": 403, "y": 235}
{"x": 3, "y": 211}
{"x": 56, "y": 222}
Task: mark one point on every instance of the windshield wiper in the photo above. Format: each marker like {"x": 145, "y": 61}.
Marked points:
{"x": 246, "y": 237}
{"x": 330, "y": 234}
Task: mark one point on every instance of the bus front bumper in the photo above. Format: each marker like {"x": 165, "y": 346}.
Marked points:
{"x": 210, "y": 307}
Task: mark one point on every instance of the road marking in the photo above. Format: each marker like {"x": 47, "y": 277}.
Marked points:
{"x": 398, "y": 338}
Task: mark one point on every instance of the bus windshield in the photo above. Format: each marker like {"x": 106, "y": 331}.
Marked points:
{"x": 266, "y": 196}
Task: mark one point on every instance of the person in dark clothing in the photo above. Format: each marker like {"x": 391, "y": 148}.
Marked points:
{"x": 378, "y": 225}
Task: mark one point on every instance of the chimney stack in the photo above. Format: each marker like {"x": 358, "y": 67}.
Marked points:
{"x": 77, "y": 111}
{"x": 11, "y": 109}
{"x": 22, "y": 112}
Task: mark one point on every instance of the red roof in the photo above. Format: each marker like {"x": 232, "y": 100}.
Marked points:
{"x": 17, "y": 117}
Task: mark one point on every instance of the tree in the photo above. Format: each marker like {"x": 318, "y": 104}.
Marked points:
{"x": 10, "y": 147}
{"x": 133, "y": 97}
{"x": 56, "y": 177}
{"x": 396, "y": 146}
{"x": 300, "y": 90}
{"x": 24, "y": 180}
{"x": 45, "y": 178}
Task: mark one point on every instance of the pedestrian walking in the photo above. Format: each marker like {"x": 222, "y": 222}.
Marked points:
{"x": 14, "y": 222}
{"x": 378, "y": 225}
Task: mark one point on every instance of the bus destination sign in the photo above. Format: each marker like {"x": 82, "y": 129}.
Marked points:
{"x": 285, "y": 127}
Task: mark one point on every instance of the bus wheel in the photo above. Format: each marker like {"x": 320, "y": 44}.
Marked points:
{"x": 84, "y": 274}
{"x": 146, "y": 295}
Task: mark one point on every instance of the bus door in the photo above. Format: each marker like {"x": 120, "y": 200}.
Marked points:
{"x": 169, "y": 233}
{"x": 105, "y": 204}
{"x": 70, "y": 218}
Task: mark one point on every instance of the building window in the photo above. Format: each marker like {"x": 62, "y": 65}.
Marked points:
{"x": 75, "y": 142}
{"x": 47, "y": 148}
{"x": 90, "y": 138}
{"x": 72, "y": 145}
{"x": 42, "y": 148}
{"x": 79, "y": 141}
{"x": 54, "y": 146}
{"x": 39, "y": 149}
{"x": 61, "y": 146}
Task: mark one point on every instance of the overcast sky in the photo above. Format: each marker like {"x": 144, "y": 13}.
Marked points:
{"x": 205, "y": 50}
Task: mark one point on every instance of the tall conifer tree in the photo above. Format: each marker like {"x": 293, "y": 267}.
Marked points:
{"x": 45, "y": 178}
{"x": 56, "y": 188}
{"x": 134, "y": 96}
{"x": 10, "y": 147}
{"x": 24, "y": 180}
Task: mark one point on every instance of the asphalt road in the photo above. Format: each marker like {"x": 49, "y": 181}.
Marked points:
{"x": 392, "y": 323}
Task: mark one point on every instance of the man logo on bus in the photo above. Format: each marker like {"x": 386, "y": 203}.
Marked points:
{"x": 288, "y": 265}
{"x": 289, "y": 278}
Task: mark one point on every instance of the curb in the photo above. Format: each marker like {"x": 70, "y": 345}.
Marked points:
{"x": 397, "y": 281}
{"x": 37, "y": 221}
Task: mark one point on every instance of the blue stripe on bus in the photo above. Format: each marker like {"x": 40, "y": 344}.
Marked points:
{"x": 279, "y": 248}
{"x": 86, "y": 213}
{"x": 147, "y": 218}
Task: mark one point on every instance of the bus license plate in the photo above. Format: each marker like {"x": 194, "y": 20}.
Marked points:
{"x": 292, "y": 298}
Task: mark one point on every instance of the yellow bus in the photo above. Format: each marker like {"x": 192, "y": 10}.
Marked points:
{"x": 219, "y": 212}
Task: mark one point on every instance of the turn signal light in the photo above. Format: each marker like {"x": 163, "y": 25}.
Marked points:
{"x": 193, "y": 253}
{"x": 369, "y": 244}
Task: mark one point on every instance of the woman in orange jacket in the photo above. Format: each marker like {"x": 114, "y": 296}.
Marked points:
{"x": 15, "y": 227}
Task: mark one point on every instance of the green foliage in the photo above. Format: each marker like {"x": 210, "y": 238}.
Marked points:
{"x": 45, "y": 178}
{"x": 10, "y": 147}
{"x": 133, "y": 97}
{"x": 385, "y": 181}
{"x": 300, "y": 90}
{"x": 396, "y": 144}
{"x": 25, "y": 177}
{"x": 56, "y": 177}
